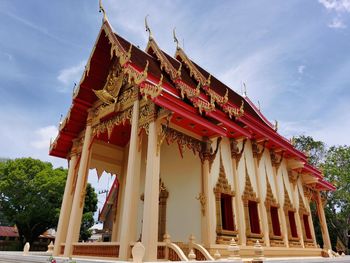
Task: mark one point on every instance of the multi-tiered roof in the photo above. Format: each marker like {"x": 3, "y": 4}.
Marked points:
{"x": 200, "y": 103}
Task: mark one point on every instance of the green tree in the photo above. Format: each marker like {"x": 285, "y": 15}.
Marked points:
{"x": 335, "y": 164}
{"x": 31, "y": 195}
{"x": 90, "y": 208}
{"x": 336, "y": 168}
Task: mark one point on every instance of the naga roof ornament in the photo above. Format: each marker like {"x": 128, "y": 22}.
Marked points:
{"x": 103, "y": 11}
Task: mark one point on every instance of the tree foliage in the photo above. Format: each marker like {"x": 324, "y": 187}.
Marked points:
{"x": 90, "y": 207}
{"x": 335, "y": 164}
{"x": 31, "y": 193}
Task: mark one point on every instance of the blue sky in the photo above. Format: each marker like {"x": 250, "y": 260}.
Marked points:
{"x": 293, "y": 56}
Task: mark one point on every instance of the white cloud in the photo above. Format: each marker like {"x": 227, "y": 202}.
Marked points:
{"x": 68, "y": 76}
{"x": 301, "y": 69}
{"x": 44, "y": 135}
{"x": 336, "y": 5}
{"x": 337, "y": 23}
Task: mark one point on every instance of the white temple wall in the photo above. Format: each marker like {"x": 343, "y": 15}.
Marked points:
{"x": 241, "y": 174}
{"x": 301, "y": 191}
{"x": 182, "y": 178}
{"x": 270, "y": 173}
{"x": 249, "y": 162}
{"x": 287, "y": 184}
{"x": 280, "y": 185}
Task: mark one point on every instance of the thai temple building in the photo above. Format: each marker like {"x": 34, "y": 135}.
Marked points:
{"x": 197, "y": 166}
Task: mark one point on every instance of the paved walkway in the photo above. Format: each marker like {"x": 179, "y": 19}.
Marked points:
{"x": 40, "y": 257}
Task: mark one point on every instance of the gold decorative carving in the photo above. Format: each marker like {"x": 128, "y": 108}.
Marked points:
{"x": 127, "y": 97}
{"x": 276, "y": 163}
{"x": 222, "y": 187}
{"x": 235, "y": 152}
{"x": 203, "y": 200}
{"x": 293, "y": 177}
{"x": 148, "y": 113}
{"x": 151, "y": 90}
{"x": 288, "y": 207}
{"x": 194, "y": 72}
{"x": 208, "y": 154}
{"x": 134, "y": 75}
{"x": 111, "y": 89}
{"x": 203, "y": 105}
{"x": 164, "y": 62}
{"x": 256, "y": 152}
{"x": 183, "y": 141}
{"x": 188, "y": 91}
{"x": 234, "y": 111}
{"x": 125, "y": 57}
{"x": 214, "y": 97}
{"x": 108, "y": 125}
{"x": 163, "y": 132}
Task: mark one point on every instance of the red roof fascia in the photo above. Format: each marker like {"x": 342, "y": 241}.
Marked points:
{"x": 270, "y": 134}
{"x": 167, "y": 101}
{"x": 258, "y": 112}
{"x": 311, "y": 169}
{"x": 325, "y": 185}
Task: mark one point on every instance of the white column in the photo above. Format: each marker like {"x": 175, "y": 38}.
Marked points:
{"x": 323, "y": 222}
{"x": 281, "y": 214}
{"x": 239, "y": 204}
{"x": 261, "y": 206}
{"x": 150, "y": 209}
{"x": 66, "y": 206}
{"x": 294, "y": 188}
{"x": 132, "y": 185}
{"x": 78, "y": 201}
{"x": 207, "y": 218}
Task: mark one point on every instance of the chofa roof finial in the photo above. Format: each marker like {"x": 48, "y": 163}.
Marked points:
{"x": 103, "y": 11}
{"x": 150, "y": 37}
{"x": 244, "y": 90}
{"x": 175, "y": 39}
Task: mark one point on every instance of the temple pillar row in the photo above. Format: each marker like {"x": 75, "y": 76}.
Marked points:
{"x": 66, "y": 206}
{"x": 151, "y": 199}
{"x": 131, "y": 191}
{"x": 322, "y": 218}
{"x": 79, "y": 193}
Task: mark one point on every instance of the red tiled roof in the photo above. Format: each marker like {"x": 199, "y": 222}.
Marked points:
{"x": 8, "y": 231}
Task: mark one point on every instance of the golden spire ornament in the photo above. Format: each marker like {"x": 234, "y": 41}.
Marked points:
{"x": 102, "y": 10}
{"x": 175, "y": 39}
{"x": 150, "y": 36}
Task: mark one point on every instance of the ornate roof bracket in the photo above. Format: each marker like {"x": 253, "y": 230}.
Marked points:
{"x": 276, "y": 163}
{"x": 235, "y": 152}
{"x": 256, "y": 152}
{"x": 203, "y": 105}
{"x": 208, "y": 154}
{"x": 136, "y": 76}
{"x": 150, "y": 90}
{"x": 215, "y": 97}
{"x": 233, "y": 111}
{"x": 194, "y": 72}
{"x": 187, "y": 91}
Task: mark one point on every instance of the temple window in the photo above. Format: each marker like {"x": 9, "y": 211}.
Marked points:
{"x": 292, "y": 224}
{"x": 227, "y": 212}
{"x": 275, "y": 221}
{"x": 307, "y": 226}
{"x": 253, "y": 217}
{"x": 225, "y": 226}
